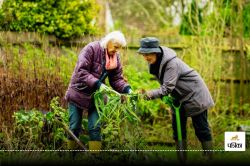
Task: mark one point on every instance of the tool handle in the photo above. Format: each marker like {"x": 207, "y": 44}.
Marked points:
{"x": 71, "y": 134}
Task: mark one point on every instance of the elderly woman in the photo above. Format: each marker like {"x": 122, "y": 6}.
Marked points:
{"x": 97, "y": 60}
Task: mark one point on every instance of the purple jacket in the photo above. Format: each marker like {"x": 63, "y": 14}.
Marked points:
{"x": 87, "y": 73}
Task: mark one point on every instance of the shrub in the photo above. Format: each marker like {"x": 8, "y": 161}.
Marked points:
{"x": 64, "y": 19}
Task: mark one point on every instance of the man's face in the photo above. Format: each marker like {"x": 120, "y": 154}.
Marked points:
{"x": 150, "y": 58}
{"x": 113, "y": 48}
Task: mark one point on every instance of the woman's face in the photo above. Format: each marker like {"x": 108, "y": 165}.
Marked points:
{"x": 113, "y": 48}
{"x": 150, "y": 58}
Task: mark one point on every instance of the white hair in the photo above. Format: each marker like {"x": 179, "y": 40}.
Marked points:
{"x": 115, "y": 36}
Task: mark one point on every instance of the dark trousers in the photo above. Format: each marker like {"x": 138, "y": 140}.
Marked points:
{"x": 75, "y": 121}
{"x": 200, "y": 124}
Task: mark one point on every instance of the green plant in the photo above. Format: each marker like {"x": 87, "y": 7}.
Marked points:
{"x": 115, "y": 118}
{"x": 64, "y": 19}
{"x": 139, "y": 78}
{"x": 28, "y": 126}
{"x": 39, "y": 130}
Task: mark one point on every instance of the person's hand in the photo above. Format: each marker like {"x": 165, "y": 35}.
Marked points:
{"x": 142, "y": 91}
{"x": 145, "y": 94}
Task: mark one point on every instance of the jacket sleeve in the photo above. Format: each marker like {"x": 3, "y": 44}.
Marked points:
{"x": 116, "y": 79}
{"x": 84, "y": 65}
{"x": 170, "y": 78}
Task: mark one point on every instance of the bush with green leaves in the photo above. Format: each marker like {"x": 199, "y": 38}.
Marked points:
{"x": 38, "y": 129}
{"x": 64, "y": 19}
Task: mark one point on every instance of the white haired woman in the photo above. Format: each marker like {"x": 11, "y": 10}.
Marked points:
{"x": 96, "y": 61}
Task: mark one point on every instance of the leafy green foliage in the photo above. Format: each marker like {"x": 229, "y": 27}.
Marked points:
{"x": 28, "y": 125}
{"x": 115, "y": 117}
{"x": 64, "y": 19}
{"x": 39, "y": 130}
